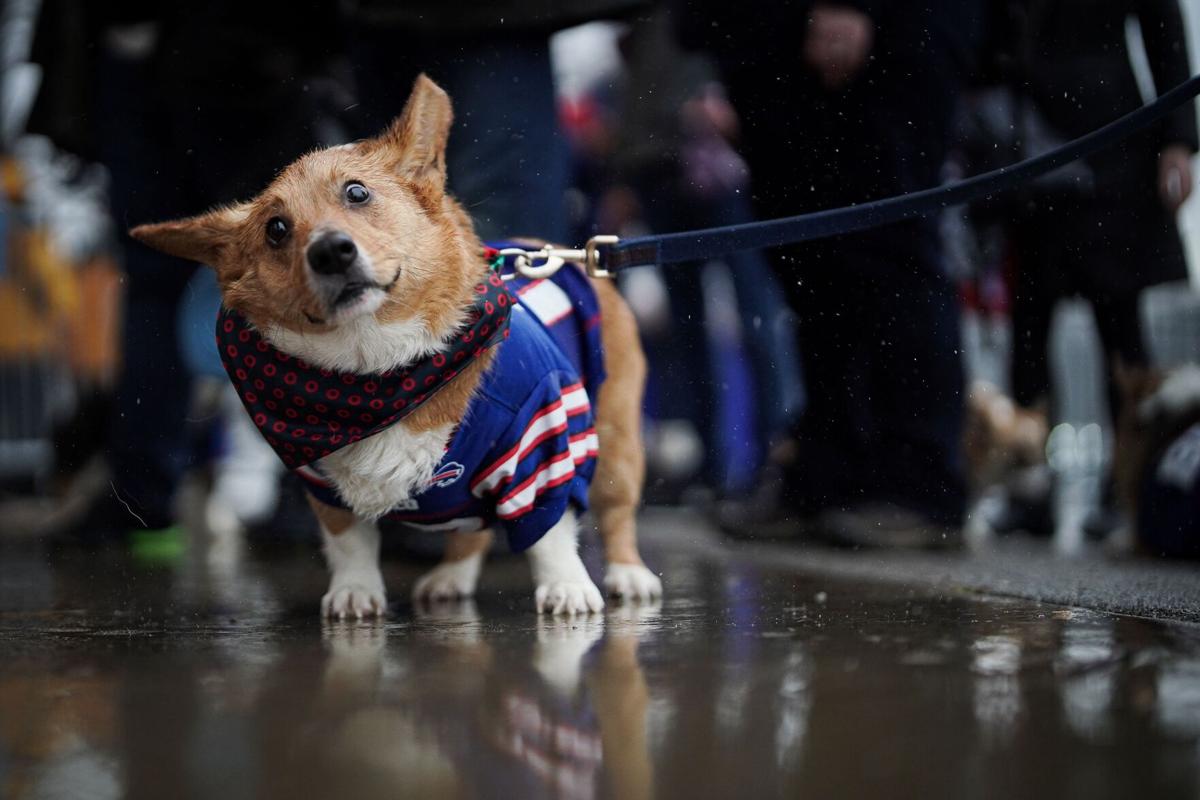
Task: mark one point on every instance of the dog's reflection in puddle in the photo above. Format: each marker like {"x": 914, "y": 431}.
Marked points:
{"x": 357, "y": 744}
{"x": 451, "y": 703}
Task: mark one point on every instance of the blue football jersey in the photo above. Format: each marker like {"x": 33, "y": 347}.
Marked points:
{"x": 526, "y": 449}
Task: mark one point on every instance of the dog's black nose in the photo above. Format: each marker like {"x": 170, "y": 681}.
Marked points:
{"x": 332, "y": 254}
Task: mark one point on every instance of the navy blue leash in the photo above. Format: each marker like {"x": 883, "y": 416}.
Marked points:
{"x": 707, "y": 243}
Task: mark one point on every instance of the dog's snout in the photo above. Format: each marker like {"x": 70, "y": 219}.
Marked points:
{"x": 332, "y": 254}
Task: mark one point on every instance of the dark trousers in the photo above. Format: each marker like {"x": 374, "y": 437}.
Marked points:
{"x": 507, "y": 160}
{"x": 147, "y": 449}
{"x": 1118, "y": 320}
{"x": 1057, "y": 256}
{"x": 880, "y": 341}
{"x": 685, "y": 380}
{"x": 169, "y": 159}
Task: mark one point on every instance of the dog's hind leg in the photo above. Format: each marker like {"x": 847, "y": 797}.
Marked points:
{"x": 351, "y": 548}
{"x": 458, "y": 574}
{"x": 617, "y": 487}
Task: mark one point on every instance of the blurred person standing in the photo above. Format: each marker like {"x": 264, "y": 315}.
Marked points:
{"x": 673, "y": 168}
{"x": 507, "y": 162}
{"x": 843, "y": 103}
{"x": 1110, "y": 232}
{"x": 188, "y": 105}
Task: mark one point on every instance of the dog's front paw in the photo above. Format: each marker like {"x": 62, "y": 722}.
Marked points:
{"x": 568, "y": 597}
{"x": 632, "y": 582}
{"x": 357, "y": 596}
{"x": 450, "y": 580}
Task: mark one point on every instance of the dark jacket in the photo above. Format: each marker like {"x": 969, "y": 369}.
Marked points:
{"x": 1070, "y": 60}
{"x": 226, "y": 85}
{"x": 884, "y": 134}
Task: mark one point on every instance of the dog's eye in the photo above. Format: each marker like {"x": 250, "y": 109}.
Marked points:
{"x": 277, "y": 230}
{"x": 357, "y": 193}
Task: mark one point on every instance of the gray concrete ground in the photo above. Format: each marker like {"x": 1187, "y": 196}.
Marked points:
{"x": 1017, "y": 566}
{"x": 768, "y": 671}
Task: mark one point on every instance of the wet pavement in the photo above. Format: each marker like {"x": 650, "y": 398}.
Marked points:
{"x": 765, "y": 672}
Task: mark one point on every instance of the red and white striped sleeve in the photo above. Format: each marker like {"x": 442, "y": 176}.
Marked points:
{"x": 543, "y": 463}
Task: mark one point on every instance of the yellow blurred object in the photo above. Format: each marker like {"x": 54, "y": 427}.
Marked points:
{"x": 12, "y": 180}
{"x": 38, "y": 295}
{"x": 50, "y": 307}
{"x": 93, "y": 341}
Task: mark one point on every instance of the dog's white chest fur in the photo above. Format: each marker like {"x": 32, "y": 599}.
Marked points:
{"x": 375, "y": 475}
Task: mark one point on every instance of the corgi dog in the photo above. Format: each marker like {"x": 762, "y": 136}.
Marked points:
{"x": 1005, "y": 451}
{"x": 382, "y": 357}
{"x": 1000, "y": 438}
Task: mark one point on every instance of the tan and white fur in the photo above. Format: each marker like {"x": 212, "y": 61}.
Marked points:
{"x": 1005, "y": 449}
{"x": 406, "y": 259}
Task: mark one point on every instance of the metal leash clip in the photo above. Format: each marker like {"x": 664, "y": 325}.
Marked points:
{"x": 537, "y": 264}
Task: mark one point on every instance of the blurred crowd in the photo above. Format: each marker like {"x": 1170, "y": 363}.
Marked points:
{"x": 908, "y": 386}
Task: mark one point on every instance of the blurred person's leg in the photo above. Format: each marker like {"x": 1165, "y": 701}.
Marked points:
{"x": 508, "y": 162}
{"x": 687, "y": 373}
{"x": 825, "y": 463}
{"x": 1034, "y": 296}
{"x": 147, "y": 449}
{"x": 917, "y": 390}
{"x": 834, "y": 336}
{"x": 1119, "y": 322}
{"x": 879, "y": 445}
{"x": 767, "y": 327}
{"x": 682, "y": 369}
{"x": 1145, "y": 250}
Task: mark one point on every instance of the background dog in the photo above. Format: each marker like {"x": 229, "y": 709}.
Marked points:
{"x": 1005, "y": 449}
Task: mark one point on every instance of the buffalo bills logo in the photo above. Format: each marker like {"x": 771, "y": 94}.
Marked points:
{"x": 447, "y": 474}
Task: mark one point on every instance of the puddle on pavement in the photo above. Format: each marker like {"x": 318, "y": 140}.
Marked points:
{"x": 119, "y": 679}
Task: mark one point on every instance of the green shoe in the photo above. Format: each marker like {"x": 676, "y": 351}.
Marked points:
{"x": 158, "y": 546}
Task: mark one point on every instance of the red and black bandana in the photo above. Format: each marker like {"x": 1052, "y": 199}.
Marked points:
{"x": 305, "y": 413}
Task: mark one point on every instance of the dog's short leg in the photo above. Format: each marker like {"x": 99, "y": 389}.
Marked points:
{"x": 458, "y": 573}
{"x": 352, "y": 551}
{"x": 617, "y": 488}
{"x": 563, "y": 584}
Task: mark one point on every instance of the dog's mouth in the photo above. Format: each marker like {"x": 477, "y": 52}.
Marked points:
{"x": 352, "y": 298}
{"x": 356, "y": 289}
{"x": 351, "y": 292}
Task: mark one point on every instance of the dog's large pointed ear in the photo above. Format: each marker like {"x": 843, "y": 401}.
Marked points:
{"x": 201, "y": 238}
{"x": 417, "y": 138}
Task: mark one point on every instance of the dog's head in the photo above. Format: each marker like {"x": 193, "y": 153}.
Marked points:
{"x": 342, "y": 233}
